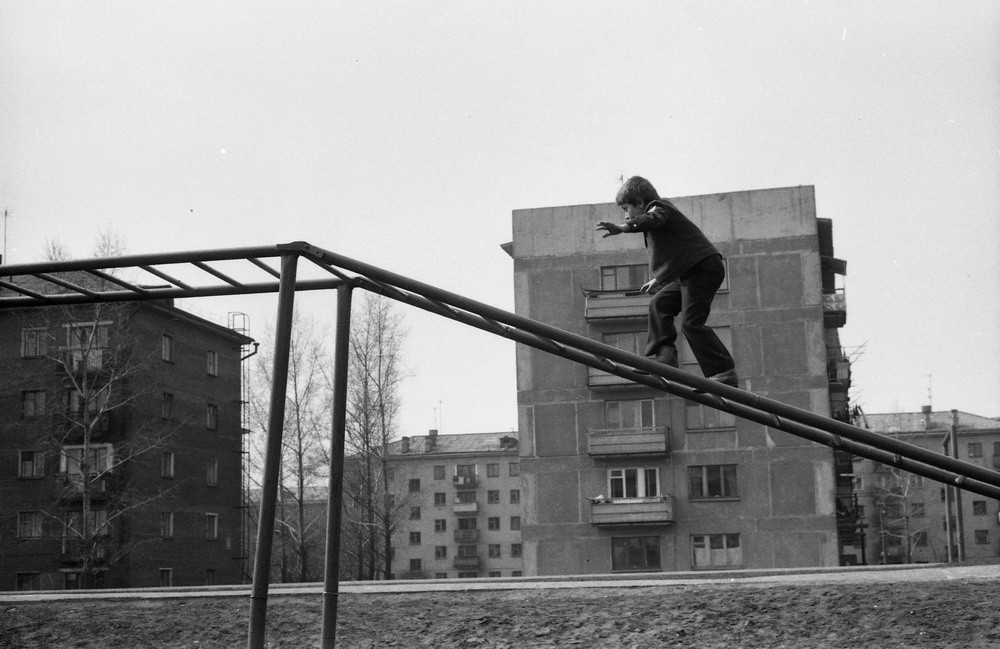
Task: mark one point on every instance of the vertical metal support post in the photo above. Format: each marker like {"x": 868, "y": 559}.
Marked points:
{"x": 959, "y": 519}
{"x": 947, "y": 506}
{"x": 272, "y": 458}
{"x": 336, "y": 490}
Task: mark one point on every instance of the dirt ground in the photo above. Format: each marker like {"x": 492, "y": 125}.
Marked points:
{"x": 934, "y": 614}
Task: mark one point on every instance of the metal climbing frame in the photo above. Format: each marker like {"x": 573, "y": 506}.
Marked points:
{"x": 344, "y": 275}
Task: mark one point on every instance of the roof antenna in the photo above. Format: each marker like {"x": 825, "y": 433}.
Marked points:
{"x": 930, "y": 402}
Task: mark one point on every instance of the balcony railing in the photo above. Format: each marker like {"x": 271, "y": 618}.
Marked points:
{"x": 464, "y": 536}
{"x": 612, "y": 305}
{"x": 465, "y": 508}
{"x": 467, "y": 562}
{"x": 600, "y": 379}
{"x": 616, "y": 442}
{"x": 657, "y": 510}
{"x": 835, "y": 309}
{"x": 465, "y": 481}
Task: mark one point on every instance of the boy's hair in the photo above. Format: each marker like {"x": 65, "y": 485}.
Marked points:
{"x": 637, "y": 191}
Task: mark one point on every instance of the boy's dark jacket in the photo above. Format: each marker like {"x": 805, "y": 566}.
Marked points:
{"x": 675, "y": 243}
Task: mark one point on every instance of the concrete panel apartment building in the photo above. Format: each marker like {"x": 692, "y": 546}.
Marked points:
{"x": 461, "y": 500}
{"x": 619, "y": 477}
{"x": 120, "y": 448}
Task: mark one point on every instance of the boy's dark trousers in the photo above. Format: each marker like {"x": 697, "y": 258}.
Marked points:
{"x": 691, "y": 296}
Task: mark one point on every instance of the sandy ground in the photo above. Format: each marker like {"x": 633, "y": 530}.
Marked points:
{"x": 916, "y": 614}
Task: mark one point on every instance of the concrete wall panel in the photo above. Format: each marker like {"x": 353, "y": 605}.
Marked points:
{"x": 555, "y": 430}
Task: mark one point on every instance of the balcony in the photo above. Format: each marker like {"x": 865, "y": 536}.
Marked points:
{"x": 646, "y": 442}
{"x": 467, "y": 562}
{"x": 71, "y": 486}
{"x": 466, "y": 536}
{"x": 615, "y": 305}
{"x": 658, "y": 510}
{"x": 834, "y": 309}
{"x": 465, "y": 508}
{"x": 465, "y": 481}
{"x": 600, "y": 379}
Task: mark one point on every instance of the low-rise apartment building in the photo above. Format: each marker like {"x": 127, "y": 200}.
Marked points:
{"x": 461, "y": 504}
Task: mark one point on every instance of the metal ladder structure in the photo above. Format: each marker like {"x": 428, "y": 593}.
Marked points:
{"x": 200, "y": 274}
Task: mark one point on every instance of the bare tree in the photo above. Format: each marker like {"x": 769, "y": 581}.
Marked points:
{"x": 375, "y": 375}
{"x": 893, "y": 494}
{"x": 305, "y": 447}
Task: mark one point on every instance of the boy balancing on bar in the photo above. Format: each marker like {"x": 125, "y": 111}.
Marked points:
{"x": 686, "y": 271}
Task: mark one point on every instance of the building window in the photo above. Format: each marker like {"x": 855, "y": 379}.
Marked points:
{"x": 414, "y": 538}
{"x": 414, "y": 485}
{"x": 212, "y": 363}
{"x": 167, "y": 406}
{"x": 701, "y": 417}
{"x": 29, "y": 525}
{"x": 32, "y": 404}
{"x": 28, "y": 581}
{"x": 212, "y": 473}
{"x": 494, "y": 573}
{"x": 212, "y": 417}
{"x": 515, "y": 523}
{"x": 466, "y": 470}
{"x": 98, "y": 458}
{"x": 624, "y": 278}
{"x": 416, "y": 565}
{"x": 493, "y": 523}
{"x": 515, "y": 550}
{"x": 975, "y": 449}
{"x": 466, "y": 523}
{"x": 34, "y": 343}
{"x": 71, "y": 580}
{"x": 514, "y": 469}
{"x": 30, "y": 464}
{"x": 468, "y": 574}
{"x": 982, "y": 537}
{"x": 628, "y": 415}
{"x": 439, "y": 472}
{"x": 167, "y": 348}
{"x": 211, "y": 527}
{"x": 440, "y": 551}
{"x": 414, "y": 513}
{"x": 467, "y": 551}
{"x": 440, "y": 498}
{"x": 167, "y": 464}
{"x": 918, "y": 510}
{"x": 440, "y": 575}
{"x": 492, "y": 470}
{"x": 633, "y": 483}
{"x": 515, "y": 496}
{"x": 920, "y": 538}
{"x": 712, "y": 481}
{"x": 440, "y": 525}
{"x": 166, "y": 525}
{"x": 715, "y": 550}
{"x": 635, "y": 553}
{"x": 494, "y": 550}
{"x": 98, "y": 523}
{"x": 633, "y": 342}
{"x": 166, "y": 577}
{"x": 465, "y": 497}
{"x": 979, "y": 508}
{"x": 493, "y": 497}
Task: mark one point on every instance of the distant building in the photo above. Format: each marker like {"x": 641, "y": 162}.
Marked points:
{"x": 461, "y": 499}
{"x": 906, "y": 514}
{"x": 619, "y": 477}
{"x": 120, "y": 448}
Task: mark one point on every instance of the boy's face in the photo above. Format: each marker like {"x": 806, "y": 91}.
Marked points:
{"x": 631, "y": 210}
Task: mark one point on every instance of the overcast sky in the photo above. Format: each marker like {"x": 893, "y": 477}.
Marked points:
{"x": 403, "y": 134}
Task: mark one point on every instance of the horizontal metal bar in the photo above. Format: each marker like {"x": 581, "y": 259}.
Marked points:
{"x": 163, "y": 294}
{"x": 126, "y": 261}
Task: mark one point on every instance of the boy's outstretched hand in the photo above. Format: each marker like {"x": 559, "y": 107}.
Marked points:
{"x": 648, "y": 286}
{"x": 609, "y": 228}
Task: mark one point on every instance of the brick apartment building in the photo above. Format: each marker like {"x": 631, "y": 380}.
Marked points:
{"x": 907, "y": 516}
{"x": 461, "y": 498}
{"x": 619, "y": 477}
{"x": 120, "y": 448}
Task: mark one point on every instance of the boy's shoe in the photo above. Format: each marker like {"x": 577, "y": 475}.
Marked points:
{"x": 726, "y": 378}
{"x": 664, "y": 358}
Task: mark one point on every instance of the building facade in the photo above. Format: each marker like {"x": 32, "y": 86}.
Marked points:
{"x": 911, "y": 519}
{"x": 120, "y": 448}
{"x": 620, "y": 477}
{"x": 460, "y": 500}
